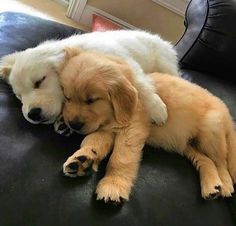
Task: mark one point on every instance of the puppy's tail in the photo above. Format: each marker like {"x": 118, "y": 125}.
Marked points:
{"x": 231, "y": 141}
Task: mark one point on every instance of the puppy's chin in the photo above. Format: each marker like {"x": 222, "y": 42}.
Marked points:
{"x": 50, "y": 120}
{"x": 87, "y": 130}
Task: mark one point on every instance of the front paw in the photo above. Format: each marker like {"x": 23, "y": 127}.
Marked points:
{"x": 227, "y": 189}
{"x": 214, "y": 193}
{"x": 61, "y": 128}
{"x": 113, "y": 190}
{"x": 211, "y": 191}
{"x": 158, "y": 111}
{"x": 81, "y": 163}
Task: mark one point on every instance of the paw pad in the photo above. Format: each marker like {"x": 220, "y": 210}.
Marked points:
{"x": 114, "y": 203}
{"x": 215, "y": 194}
{"x": 78, "y": 166}
{"x": 82, "y": 158}
{"x": 73, "y": 166}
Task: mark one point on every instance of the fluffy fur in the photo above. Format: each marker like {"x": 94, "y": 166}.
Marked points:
{"x": 144, "y": 52}
{"x": 103, "y": 101}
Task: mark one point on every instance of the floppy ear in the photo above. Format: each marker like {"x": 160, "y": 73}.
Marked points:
{"x": 124, "y": 98}
{"x": 6, "y": 64}
{"x": 60, "y": 57}
{"x": 71, "y": 52}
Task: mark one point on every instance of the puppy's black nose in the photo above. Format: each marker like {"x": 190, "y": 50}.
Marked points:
{"x": 76, "y": 125}
{"x": 35, "y": 114}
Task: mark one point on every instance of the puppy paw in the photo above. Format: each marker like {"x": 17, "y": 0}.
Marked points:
{"x": 211, "y": 192}
{"x": 82, "y": 163}
{"x": 227, "y": 190}
{"x": 61, "y": 128}
{"x": 112, "y": 190}
{"x": 158, "y": 111}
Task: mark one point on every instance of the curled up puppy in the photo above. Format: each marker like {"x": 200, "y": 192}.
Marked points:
{"x": 102, "y": 101}
{"x": 33, "y": 73}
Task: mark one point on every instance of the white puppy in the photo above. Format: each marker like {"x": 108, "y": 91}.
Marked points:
{"x": 33, "y": 73}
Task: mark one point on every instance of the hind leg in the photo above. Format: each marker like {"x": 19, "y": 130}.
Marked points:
{"x": 231, "y": 158}
{"x": 209, "y": 178}
{"x": 212, "y": 140}
{"x": 227, "y": 188}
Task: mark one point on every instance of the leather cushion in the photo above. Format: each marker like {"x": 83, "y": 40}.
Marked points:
{"x": 20, "y": 31}
{"x": 209, "y": 41}
{"x": 33, "y": 190}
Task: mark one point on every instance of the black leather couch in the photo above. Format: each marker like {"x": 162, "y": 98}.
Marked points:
{"x": 33, "y": 191}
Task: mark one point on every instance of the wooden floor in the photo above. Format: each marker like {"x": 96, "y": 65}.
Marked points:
{"x": 47, "y": 9}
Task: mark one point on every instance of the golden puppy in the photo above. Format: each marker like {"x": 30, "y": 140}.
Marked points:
{"x": 102, "y": 102}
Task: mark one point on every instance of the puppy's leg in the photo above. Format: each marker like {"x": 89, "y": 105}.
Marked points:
{"x": 122, "y": 169}
{"x": 94, "y": 148}
{"x": 231, "y": 155}
{"x": 227, "y": 188}
{"x": 213, "y": 143}
{"x": 154, "y": 105}
{"x": 209, "y": 178}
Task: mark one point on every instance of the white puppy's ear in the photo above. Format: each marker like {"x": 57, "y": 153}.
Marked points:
{"x": 6, "y": 64}
{"x": 56, "y": 59}
{"x": 60, "y": 57}
{"x": 71, "y": 52}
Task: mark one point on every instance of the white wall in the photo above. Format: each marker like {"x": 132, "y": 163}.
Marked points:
{"x": 144, "y": 14}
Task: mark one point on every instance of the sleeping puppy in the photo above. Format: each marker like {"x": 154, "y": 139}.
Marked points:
{"x": 101, "y": 101}
{"x": 33, "y": 73}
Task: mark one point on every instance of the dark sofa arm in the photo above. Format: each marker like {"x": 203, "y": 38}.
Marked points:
{"x": 15, "y": 29}
{"x": 209, "y": 41}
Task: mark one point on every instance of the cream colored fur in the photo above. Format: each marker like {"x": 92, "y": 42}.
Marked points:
{"x": 143, "y": 51}
{"x": 102, "y": 96}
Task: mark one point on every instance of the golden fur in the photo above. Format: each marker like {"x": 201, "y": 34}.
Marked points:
{"x": 100, "y": 94}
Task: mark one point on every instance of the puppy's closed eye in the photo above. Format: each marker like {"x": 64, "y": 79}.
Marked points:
{"x": 39, "y": 82}
{"x": 90, "y": 100}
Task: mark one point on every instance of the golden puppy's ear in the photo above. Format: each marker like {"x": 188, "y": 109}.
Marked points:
{"x": 71, "y": 52}
{"x": 124, "y": 98}
{"x": 6, "y": 64}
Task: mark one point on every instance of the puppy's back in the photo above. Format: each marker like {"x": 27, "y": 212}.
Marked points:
{"x": 188, "y": 106}
{"x": 177, "y": 93}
